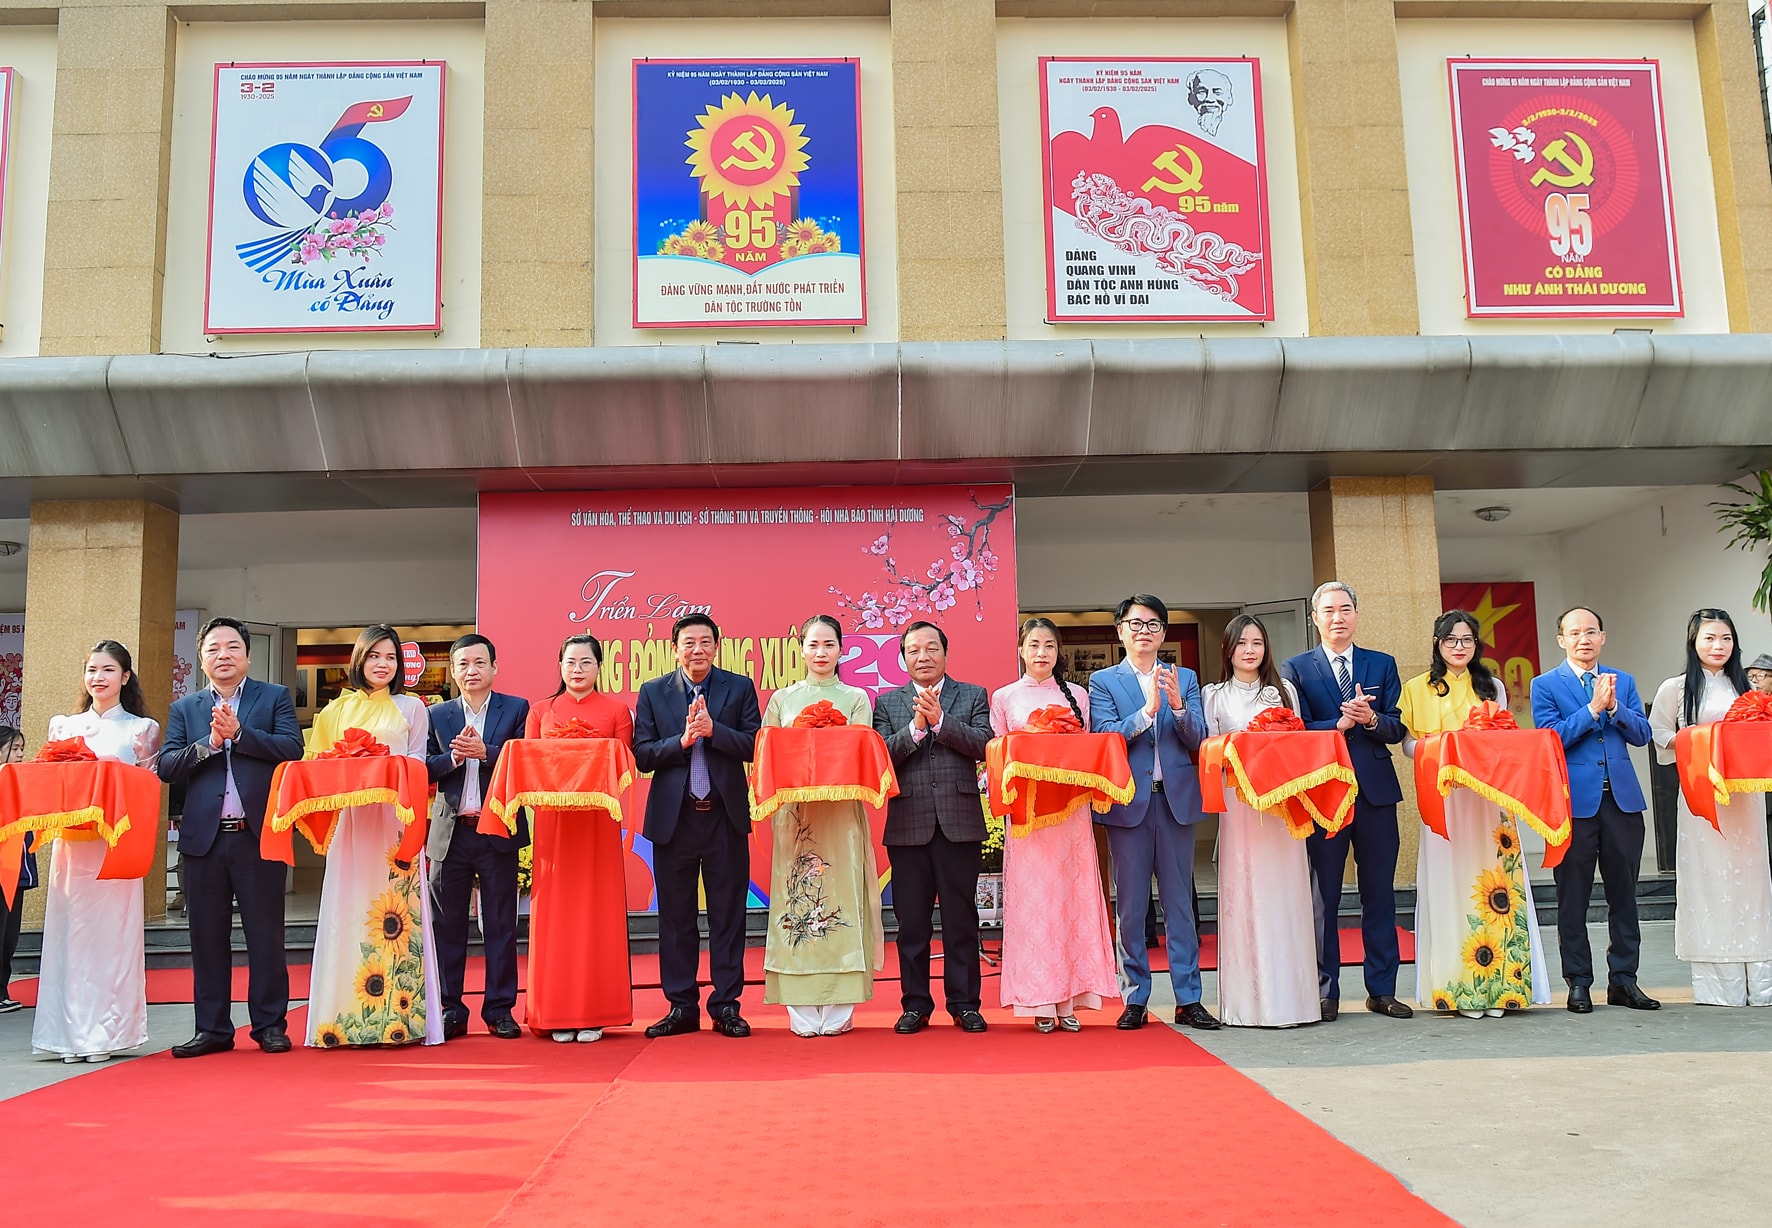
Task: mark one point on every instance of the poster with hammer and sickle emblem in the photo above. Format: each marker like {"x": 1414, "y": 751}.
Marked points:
{"x": 1156, "y": 190}
{"x": 747, "y": 193}
{"x": 1563, "y": 189}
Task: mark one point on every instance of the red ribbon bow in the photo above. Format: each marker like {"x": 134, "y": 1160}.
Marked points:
{"x": 821, "y": 715}
{"x": 573, "y": 728}
{"x": 1490, "y": 715}
{"x": 1276, "y": 720}
{"x": 1053, "y": 718}
{"x": 1750, "y": 706}
{"x": 66, "y": 750}
{"x": 356, "y": 744}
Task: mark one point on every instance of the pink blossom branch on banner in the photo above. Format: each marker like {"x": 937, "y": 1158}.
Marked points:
{"x": 967, "y": 566}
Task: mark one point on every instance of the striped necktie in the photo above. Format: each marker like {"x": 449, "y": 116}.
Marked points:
{"x": 700, "y": 786}
{"x": 1345, "y": 679}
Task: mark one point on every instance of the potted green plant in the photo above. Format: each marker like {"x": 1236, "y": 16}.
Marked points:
{"x": 1752, "y": 525}
{"x": 990, "y": 876}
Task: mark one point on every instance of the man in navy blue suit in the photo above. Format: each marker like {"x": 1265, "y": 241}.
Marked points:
{"x": 466, "y": 735}
{"x": 225, "y": 742}
{"x": 1598, "y": 715}
{"x": 1157, "y": 709}
{"x": 694, "y": 730}
{"x": 1355, "y": 692}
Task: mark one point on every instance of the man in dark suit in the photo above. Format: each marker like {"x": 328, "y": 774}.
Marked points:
{"x": 466, "y": 735}
{"x": 1355, "y": 692}
{"x": 936, "y": 728}
{"x": 1598, "y": 716}
{"x": 694, "y": 730}
{"x": 224, "y": 742}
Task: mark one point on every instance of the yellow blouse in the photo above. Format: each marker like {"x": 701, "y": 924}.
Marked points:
{"x": 1426, "y": 713}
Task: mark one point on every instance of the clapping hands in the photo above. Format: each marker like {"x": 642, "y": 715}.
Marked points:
{"x": 1356, "y": 711}
{"x": 224, "y": 725}
{"x": 700, "y": 724}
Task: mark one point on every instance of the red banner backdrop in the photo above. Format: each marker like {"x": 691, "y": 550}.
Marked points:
{"x": 1564, "y": 191}
{"x": 759, "y": 562}
{"x": 1508, "y": 612}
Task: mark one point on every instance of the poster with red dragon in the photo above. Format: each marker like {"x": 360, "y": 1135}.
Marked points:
{"x": 1156, "y": 190}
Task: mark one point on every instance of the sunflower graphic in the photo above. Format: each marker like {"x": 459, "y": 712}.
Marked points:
{"x": 1443, "y": 1001}
{"x": 396, "y": 1033}
{"x": 1494, "y": 896}
{"x": 1516, "y": 975}
{"x": 372, "y": 981}
{"x": 390, "y": 923}
{"x": 697, "y": 233}
{"x": 1482, "y": 953}
{"x": 1512, "y": 1000}
{"x": 403, "y": 1001}
{"x": 329, "y": 1035}
{"x": 397, "y": 867}
{"x": 1507, "y": 839}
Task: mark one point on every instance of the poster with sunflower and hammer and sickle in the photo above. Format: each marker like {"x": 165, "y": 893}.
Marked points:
{"x": 747, "y": 193}
{"x": 1563, "y": 189}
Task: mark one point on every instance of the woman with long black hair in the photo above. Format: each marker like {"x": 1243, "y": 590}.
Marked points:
{"x": 1722, "y": 886}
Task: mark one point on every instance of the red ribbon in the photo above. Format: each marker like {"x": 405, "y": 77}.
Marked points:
{"x": 573, "y": 728}
{"x": 356, "y": 744}
{"x": 1276, "y": 720}
{"x": 1490, "y": 715}
{"x": 821, "y": 715}
{"x": 65, "y": 750}
{"x": 1053, "y": 718}
{"x": 1750, "y": 706}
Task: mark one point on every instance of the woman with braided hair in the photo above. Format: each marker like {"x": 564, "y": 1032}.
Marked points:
{"x": 1058, "y": 957}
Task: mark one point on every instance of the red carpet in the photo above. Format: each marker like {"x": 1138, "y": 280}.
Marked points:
{"x": 171, "y": 985}
{"x": 867, "y": 1129}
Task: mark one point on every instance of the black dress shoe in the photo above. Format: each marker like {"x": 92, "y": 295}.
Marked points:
{"x": 970, "y": 1021}
{"x": 1330, "y": 1008}
{"x": 1195, "y": 1015}
{"x": 454, "y": 1027}
{"x": 506, "y": 1029}
{"x": 202, "y": 1045}
{"x": 1132, "y": 1018}
{"x": 1580, "y": 1001}
{"x": 732, "y": 1024}
{"x": 274, "y": 1042}
{"x": 1386, "y": 1004}
{"x": 911, "y": 1022}
{"x": 676, "y": 1022}
{"x": 1631, "y": 996}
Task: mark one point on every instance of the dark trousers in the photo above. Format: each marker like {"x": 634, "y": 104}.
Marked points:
{"x": 493, "y": 860}
{"x": 945, "y": 872}
{"x": 1373, "y": 839}
{"x": 706, "y": 847}
{"x": 233, "y": 870}
{"x": 1612, "y": 840}
{"x": 10, "y": 920}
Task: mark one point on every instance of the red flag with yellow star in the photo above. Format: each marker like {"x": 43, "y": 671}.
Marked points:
{"x": 1508, "y": 612}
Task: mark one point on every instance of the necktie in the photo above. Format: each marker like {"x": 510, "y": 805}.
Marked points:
{"x": 1345, "y": 678}
{"x": 699, "y": 784}
{"x": 1587, "y": 684}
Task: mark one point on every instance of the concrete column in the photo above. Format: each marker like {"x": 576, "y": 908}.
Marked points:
{"x": 950, "y": 171}
{"x": 105, "y": 248}
{"x": 101, "y": 569}
{"x": 1347, "y": 109}
{"x": 1378, "y": 536}
{"x": 535, "y": 244}
{"x": 1735, "y": 130}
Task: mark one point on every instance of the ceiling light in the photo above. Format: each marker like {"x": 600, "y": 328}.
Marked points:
{"x": 1493, "y": 514}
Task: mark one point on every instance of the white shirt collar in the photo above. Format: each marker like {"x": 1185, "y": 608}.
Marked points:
{"x": 1346, "y": 654}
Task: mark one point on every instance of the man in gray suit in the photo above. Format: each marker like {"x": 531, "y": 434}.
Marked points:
{"x": 936, "y": 728}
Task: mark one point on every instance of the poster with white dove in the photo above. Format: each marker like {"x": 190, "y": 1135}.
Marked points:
{"x": 1155, "y": 190}
{"x": 326, "y": 198}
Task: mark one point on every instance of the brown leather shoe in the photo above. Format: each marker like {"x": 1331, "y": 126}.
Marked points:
{"x": 1386, "y": 1004}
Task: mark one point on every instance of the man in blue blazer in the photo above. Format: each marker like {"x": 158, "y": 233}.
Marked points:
{"x": 1355, "y": 692}
{"x": 694, "y": 730}
{"x": 466, "y": 736}
{"x": 1157, "y": 709}
{"x": 1598, "y": 715}
{"x": 224, "y": 742}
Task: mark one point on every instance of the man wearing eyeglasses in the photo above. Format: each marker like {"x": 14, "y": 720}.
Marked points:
{"x": 1157, "y": 709}
{"x": 1596, "y": 712}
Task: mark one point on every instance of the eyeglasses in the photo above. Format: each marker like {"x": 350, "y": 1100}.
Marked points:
{"x": 1135, "y": 625}
{"x": 1459, "y": 641}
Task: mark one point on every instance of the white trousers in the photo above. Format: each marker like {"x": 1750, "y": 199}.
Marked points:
{"x": 1732, "y": 984}
{"x": 820, "y": 1020}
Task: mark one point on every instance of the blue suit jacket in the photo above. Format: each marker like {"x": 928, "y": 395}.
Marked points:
{"x": 1115, "y": 701}
{"x": 1559, "y": 702}
{"x": 1319, "y": 703}
{"x": 269, "y": 735}
{"x": 659, "y": 719}
{"x": 505, "y": 715}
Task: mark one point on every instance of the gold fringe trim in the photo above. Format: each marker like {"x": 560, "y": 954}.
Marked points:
{"x": 49, "y": 827}
{"x": 1299, "y": 788}
{"x": 594, "y": 800}
{"x": 1451, "y": 775}
{"x": 764, "y": 810}
{"x": 297, "y": 814}
{"x": 1723, "y": 788}
{"x": 1039, "y": 819}
{"x": 1108, "y": 793}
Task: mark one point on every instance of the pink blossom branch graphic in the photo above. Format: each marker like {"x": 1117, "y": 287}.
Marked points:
{"x": 967, "y": 566}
